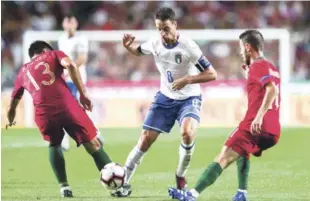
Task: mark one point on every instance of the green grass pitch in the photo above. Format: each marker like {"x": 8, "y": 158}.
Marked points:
{"x": 282, "y": 174}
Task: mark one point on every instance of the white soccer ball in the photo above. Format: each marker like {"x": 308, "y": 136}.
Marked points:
{"x": 112, "y": 176}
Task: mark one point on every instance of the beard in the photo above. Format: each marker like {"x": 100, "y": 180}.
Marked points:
{"x": 247, "y": 59}
{"x": 166, "y": 40}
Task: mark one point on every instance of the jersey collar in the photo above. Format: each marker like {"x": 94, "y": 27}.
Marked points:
{"x": 259, "y": 58}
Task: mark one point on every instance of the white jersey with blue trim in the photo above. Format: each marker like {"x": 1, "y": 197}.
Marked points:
{"x": 72, "y": 46}
{"x": 174, "y": 62}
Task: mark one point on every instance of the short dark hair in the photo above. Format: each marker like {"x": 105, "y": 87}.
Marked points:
{"x": 37, "y": 47}
{"x": 164, "y": 14}
{"x": 254, "y": 38}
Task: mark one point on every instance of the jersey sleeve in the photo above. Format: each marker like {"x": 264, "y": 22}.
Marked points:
{"x": 147, "y": 47}
{"x": 196, "y": 56}
{"x": 60, "y": 55}
{"x": 265, "y": 75}
{"x": 82, "y": 45}
{"x": 18, "y": 90}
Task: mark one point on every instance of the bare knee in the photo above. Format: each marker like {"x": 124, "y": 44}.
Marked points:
{"x": 146, "y": 140}
{"x": 226, "y": 157}
{"x": 92, "y": 146}
{"x": 188, "y": 129}
{"x": 188, "y": 136}
{"x": 223, "y": 160}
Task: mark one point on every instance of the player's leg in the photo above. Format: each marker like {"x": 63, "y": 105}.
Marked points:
{"x": 158, "y": 120}
{"x": 57, "y": 162}
{"x": 186, "y": 149}
{"x": 95, "y": 149}
{"x": 82, "y": 130}
{"x": 147, "y": 138}
{"x": 239, "y": 144}
{"x": 263, "y": 142}
{"x": 243, "y": 169}
{"x": 214, "y": 170}
{"x": 209, "y": 176}
{"x": 188, "y": 117}
{"x": 52, "y": 132}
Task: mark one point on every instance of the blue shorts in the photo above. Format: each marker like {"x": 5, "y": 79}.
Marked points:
{"x": 165, "y": 111}
{"x": 73, "y": 90}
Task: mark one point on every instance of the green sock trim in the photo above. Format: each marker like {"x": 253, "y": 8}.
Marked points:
{"x": 243, "y": 168}
{"x": 208, "y": 177}
{"x": 101, "y": 158}
{"x": 57, "y": 162}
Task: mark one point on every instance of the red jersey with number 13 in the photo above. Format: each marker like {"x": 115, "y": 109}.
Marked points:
{"x": 262, "y": 72}
{"x": 42, "y": 78}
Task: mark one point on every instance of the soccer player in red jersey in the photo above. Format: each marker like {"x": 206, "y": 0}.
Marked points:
{"x": 55, "y": 107}
{"x": 260, "y": 128}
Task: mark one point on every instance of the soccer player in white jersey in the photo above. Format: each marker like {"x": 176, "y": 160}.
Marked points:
{"x": 76, "y": 47}
{"x": 182, "y": 67}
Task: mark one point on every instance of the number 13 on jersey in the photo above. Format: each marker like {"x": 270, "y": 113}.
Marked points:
{"x": 46, "y": 71}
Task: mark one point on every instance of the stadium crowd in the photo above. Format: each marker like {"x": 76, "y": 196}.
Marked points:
{"x": 108, "y": 61}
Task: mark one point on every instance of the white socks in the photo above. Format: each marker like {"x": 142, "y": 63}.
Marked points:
{"x": 194, "y": 193}
{"x": 136, "y": 155}
{"x": 242, "y": 191}
{"x": 62, "y": 190}
{"x": 185, "y": 155}
{"x": 133, "y": 160}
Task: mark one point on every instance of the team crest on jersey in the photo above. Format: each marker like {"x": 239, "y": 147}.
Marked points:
{"x": 178, "y": 58}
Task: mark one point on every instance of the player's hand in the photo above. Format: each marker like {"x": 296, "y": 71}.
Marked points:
{"x": 128, "y": 39}
{"x": 179, "y": 83}
{"x": 86, "y": 102}
{"x": 256, "y": 126}
{"x": 11, "y": 116}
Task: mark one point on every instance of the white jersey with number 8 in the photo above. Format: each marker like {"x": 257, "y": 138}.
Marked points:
{"x": 174, "y": 62}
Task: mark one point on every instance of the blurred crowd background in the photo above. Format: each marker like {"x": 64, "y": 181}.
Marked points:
{"x": 109, "y": 61}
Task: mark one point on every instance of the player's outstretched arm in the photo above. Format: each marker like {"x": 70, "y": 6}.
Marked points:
{"x": 207, "y": 75}
{"x": 270, "y": 95}
{"x": 130, "y": 45}
{"x": 77, "y": 80}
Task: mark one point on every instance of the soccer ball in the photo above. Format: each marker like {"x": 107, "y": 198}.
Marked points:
{"x": 112, "y": 176}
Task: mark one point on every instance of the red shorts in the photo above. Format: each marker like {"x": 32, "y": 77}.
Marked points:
{"x": 75, "y": 121}
{"x": 244, "y": 143}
